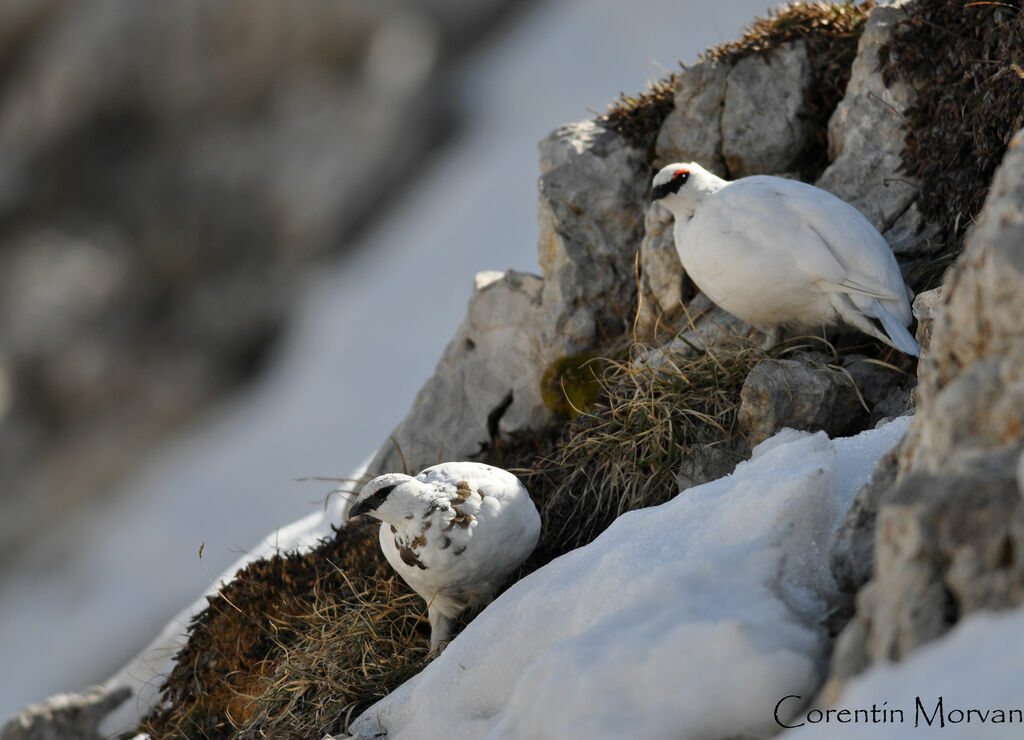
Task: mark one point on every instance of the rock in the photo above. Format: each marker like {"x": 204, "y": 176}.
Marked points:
{"x": 972, "y": 370}
{"x": 488, "y": 376}
{"x": 866, "y": 131}
{"x": 65, "y": 716}
{"x": 983, "y": 299}
{"x": 912, "y": 238}
{"x": 951, "y": 522}
{"x": 926, "y": 306}
{"x": 711, "y": 462}
{"x": 593, "y": 196}
{"x": 707, "y": 327}
{"x": 852, "y": 558}
{"x": 739, "y": 120}
{"x": 947, "y": 545}
{"x": 802, "y": 394}
{"x": 661, "y": 277}
{"x": 763, "y": 127}
{"x": 887, "y": 391}
{"x": 692, "y": 132}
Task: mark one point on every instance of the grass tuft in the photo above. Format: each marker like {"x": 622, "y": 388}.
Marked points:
{"x": 624, "y": 452}
{"x": 294, "y": 644}
{"x": 639, "y": 117}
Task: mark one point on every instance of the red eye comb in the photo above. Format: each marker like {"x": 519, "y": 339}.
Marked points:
{"x": 677, "y": 173}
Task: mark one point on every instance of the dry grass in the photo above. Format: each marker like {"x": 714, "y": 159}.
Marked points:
{"x": 294, "y": 644}
{"x": 624, "y": 452}
{"x": 348, "y": 650}
{"x": 639, "y": 117}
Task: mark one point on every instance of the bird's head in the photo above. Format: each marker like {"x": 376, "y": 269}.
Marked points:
{"x": 383, "y": 498}
{"x": 682, "y": 186}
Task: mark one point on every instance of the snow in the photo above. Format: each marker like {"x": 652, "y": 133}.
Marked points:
{"x": 96, "y": 589}
{"x": 689, "y": 619}
{"x": 974, "y": 667}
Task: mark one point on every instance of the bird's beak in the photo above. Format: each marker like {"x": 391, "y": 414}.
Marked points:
{"x": 359, "y": 508}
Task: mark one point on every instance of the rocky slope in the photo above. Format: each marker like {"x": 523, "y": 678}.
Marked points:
{"x": 937, "y": 533}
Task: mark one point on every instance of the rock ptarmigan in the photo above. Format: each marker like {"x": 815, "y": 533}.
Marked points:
{"x": 779, "y": 253}
{"x": 454, "y": 533}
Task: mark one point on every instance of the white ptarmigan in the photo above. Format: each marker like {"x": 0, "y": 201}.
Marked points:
{"x": 779, "y": 253}
{"x": 454, "y": 533}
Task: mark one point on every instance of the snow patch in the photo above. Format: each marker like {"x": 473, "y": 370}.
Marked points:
{"x": 947, "y": 670}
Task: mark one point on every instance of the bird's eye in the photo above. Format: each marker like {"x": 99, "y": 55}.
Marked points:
{"x": 681, "y": 173}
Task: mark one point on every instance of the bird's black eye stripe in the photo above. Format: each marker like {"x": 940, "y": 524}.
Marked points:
{"x": 672, "y": 186}
{"x": 378, "y": 497}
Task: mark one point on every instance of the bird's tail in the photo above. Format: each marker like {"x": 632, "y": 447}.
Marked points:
{"x": 873, "y": 318}
{"x": 898, "y": 335}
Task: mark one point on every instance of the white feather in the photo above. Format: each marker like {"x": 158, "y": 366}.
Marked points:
{"x": 454, "y": 533}
{"x": 781, "y": 253}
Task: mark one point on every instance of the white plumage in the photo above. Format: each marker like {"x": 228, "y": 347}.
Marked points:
{"x": 779, "y": 253}
{"x": 454, "y": 533}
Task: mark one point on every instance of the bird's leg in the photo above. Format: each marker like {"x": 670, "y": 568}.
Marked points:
{"x": 440, "y": 630}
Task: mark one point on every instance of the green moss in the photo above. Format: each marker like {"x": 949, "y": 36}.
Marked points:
{"x": 572, "y": 384}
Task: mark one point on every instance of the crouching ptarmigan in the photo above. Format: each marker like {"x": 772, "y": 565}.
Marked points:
{"x": 779, "y": 253}
{"x": 454, "y": 533}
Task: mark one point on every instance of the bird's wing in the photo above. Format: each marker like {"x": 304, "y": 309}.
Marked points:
{"x": 871, "y": 268}
{"x": 829, "y": 240}
{"x": 479, "y": 476}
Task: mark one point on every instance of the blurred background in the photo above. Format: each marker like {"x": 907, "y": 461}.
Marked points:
{"x": 235, "y": 238}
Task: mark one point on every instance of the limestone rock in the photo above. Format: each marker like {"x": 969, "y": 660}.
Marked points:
{"x": 912, "y": 238}
{"x": 949, "y": 527}
{"x": 947, "y": 545}
{"x": 707, "y": 326}
{"x": 495, "y": 360}
{"x": 593, "y": 196}
{"x": 763, "y": 130}
{"x": 887, "y": 391}
{"x": 692, "y": 132}
{"x": 852, "y": 558}
{"x": 802, "y": 394}
{"x": 65, "y": 716}
{"x": 711, "y": 462}
{"x": 926, "y": 306}
{"x": 972, "y": 371}
{"x": 661, "y": 276}
{"x": 866, "y": 134}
